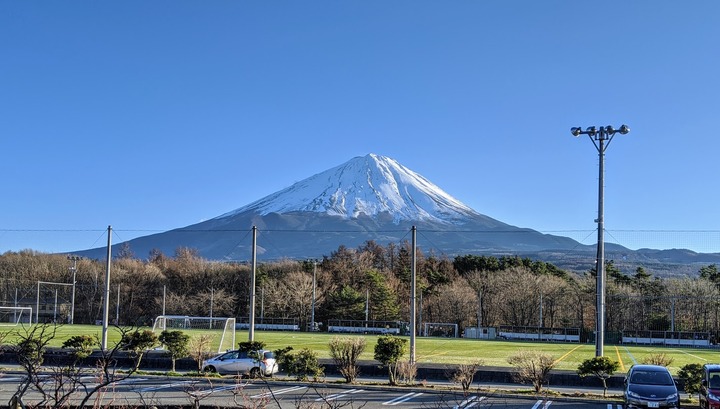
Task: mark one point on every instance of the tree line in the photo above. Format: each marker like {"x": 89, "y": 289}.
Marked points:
{"x": 370, "y": 281}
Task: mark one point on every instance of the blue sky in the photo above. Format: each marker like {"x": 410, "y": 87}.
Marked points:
{"x": 149, "y": 116}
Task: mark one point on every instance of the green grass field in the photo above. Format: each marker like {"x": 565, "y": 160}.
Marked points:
{"x": 436, "y": 350}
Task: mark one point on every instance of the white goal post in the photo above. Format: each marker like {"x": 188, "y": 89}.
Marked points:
{"x": 13, "y": 316}
{"x": 440, "y": 329}
{"x": 222, "y": 326}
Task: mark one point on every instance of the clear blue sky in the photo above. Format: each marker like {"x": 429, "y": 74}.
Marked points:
{"x": 153, "y": 115}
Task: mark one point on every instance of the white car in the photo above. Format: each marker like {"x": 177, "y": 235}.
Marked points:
{"x": 253, "y": 363}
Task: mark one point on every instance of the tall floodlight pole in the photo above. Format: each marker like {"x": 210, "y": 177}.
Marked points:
{"x": 74, "y": 259}
{"x": 413, "y": 289}
{"x": 601, "y": 138}
{"x": 312, "y": 311}
{"x": 251, "y": 332}
{"x": 106, "y": 303}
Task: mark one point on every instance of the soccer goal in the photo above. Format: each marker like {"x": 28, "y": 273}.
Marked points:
{"x": 12, "y": 316}
{"x": 222, "y": 328}
{"x": 440, "y": 329}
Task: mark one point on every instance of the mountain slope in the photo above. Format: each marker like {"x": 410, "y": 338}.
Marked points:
{"x": 367, "y": 198}
{"x": 367, "y": 185}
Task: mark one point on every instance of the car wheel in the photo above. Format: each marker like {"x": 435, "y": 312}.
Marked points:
{"x": 210, "y": 369}
{"x": 255, "y": 373}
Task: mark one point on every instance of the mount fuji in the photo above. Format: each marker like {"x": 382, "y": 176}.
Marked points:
{"x": 369, "y": 197}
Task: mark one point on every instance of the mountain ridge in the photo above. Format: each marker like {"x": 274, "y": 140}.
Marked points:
{"x": 374, "y": 198}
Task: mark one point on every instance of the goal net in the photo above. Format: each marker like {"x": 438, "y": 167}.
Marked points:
{"x": 222, "y": 328}
{"x": 440, "y": 329}
{"x": 12, "y": 316}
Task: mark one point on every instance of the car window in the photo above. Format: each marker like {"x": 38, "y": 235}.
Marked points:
{"x": 269, "y": 355}
{"x": 651, "y": 378}
{"x": 242, "y": 355}
{"x": 229, "y": 355}
{"x": 714, "y": 380}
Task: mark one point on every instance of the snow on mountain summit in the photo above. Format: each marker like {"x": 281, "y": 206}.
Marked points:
{"x": 368, "y": 185}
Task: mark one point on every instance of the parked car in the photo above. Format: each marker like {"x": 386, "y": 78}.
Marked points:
{"x": 253, "y": 363}
{"x": 650, "y": 386}
{"x": 710, "y": 388}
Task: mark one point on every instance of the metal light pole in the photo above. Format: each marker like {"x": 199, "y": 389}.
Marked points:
{"x": 106, "y": 292}
{"x": 413, "y": 290}
{"x": 314, "y": 284}
{"x": 74, "y": 259}
{"x": 251, "y": 318}
{"x": 601, "y": 138}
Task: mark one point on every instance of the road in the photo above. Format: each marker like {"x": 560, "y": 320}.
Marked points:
{"x": 138, "y": 391}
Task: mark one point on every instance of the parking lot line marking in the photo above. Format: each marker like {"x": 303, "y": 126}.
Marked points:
{"x": 620, "y": 361}
{"x": 404, "y": 398}
{"x": 338, "y": 395}
{"x": 480, "y": 399}
{"x": 470, "y": 402}
{"x": 565, "y": 356}
{"x": 540, "y": 402}
{"x": 278, "y": 392}
{"x": 165, "y": 386}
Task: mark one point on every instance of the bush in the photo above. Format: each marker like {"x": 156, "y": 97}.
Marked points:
{"x": 176, "y": 343}
{"x": 388, "y": 351}
{"x": 691, "y": 376}
{"x": 138, "y": 342}
{"x": 464, "y": 374}
{"x": 345, "y": 353}
{"x": 658, "y": 359}
{"x": 600, "y": 366}
{"x": 250, "y": 346}
{"x": 533, "y": 367}
{"x": 82, "y": 345}
{"x": 302, "y": 365}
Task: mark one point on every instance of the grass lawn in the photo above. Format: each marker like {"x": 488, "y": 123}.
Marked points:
{"x": 434, "y": 350}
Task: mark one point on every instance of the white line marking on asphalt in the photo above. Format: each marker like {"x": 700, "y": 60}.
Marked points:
{"x": 480, "y": 399}
{"x": 338, "y": 395}
{"x": 206, "y": 392}
{"x": 404, "y": 398}
{"x": 470, "y": 402}
{"x": 166, "y": 386}
{"x": 279, "y": 392}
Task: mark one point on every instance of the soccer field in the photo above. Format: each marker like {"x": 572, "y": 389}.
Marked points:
{"x": 435, "y": 350}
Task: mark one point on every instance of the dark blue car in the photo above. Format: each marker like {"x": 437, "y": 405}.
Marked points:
{"x": 650, "y": 386}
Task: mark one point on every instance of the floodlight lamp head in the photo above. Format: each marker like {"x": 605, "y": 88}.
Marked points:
{"x": 609, "y": 129}
{"x": 591, "y": 130}
{"x": 576, "y": 131}
{"x": 624, "y": 129}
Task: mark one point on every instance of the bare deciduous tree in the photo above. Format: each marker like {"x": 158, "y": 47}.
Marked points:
{"x": 532, "y": 367}
{"x": 199, "y": 348}
{"x": 346, "y": 352}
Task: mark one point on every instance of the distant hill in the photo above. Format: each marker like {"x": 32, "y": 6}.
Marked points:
{"x": 375, "y": 198}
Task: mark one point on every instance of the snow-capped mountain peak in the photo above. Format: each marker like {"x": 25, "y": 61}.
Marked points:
{"x": 365, "y": 185}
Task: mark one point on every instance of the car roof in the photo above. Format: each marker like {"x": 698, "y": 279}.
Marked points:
{"x": 712, "y": 367}
{"x": 646, "y": 367}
